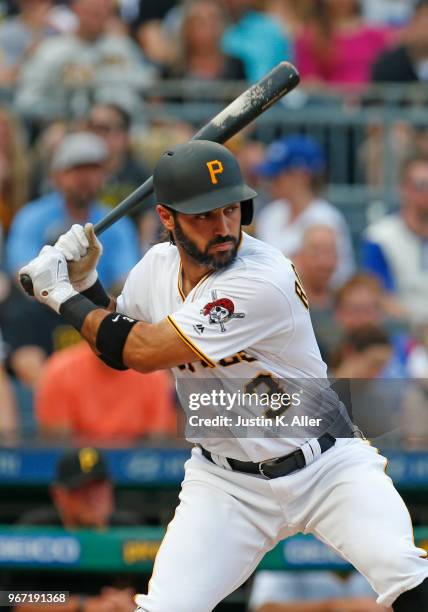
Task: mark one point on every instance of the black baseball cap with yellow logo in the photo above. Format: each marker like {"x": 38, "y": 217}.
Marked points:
{"x": 79, "y": 467}
{"x": 200, "y": 176}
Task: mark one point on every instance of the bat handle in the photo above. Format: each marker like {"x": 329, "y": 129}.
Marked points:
{"x": 27, "y": 284}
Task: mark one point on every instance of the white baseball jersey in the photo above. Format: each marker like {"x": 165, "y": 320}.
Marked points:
{"x": 251, "y": 319}
{"x": 249, "y": 322}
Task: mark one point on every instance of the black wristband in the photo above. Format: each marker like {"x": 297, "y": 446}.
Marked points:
{"x": 112, "y": 334}
{"x": 111, "y": 363}
{"x": 97, "y": 294}
{"x": 76, "y": 309}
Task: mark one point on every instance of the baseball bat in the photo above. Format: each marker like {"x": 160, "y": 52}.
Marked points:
{"x": 239, "y": 113}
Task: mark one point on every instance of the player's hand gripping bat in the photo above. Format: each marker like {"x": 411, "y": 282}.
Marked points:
{"x": 239, "y": 113}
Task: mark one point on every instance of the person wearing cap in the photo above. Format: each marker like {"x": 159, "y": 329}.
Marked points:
{"x": 82, "y": 495}
{"x": 78, "y": 173}
{"x": 83, "y": 498}
{"x": 229, "y": 315}
{"x": 293, "y": 168}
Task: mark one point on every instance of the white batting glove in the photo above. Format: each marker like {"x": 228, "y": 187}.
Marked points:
{"x": 51, "y": 283}
{"x": 82, "y": 250}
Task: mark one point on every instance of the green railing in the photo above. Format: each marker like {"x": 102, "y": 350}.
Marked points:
{"x": 134, "y": 549}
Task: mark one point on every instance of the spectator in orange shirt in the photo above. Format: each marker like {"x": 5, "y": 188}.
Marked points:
{"x": 80, "y": 397}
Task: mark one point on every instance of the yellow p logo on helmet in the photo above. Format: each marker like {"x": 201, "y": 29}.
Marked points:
{"x": 88, "y": 458}
{"x": 215, "y": 167}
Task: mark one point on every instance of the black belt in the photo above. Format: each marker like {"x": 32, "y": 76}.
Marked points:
{"x": 274, "y": 468}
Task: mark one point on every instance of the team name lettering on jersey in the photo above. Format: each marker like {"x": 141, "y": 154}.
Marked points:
{"x": 224, "y": 363}
{"x": 300, "y": 292}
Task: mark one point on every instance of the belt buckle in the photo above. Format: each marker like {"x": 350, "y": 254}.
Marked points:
{"x": 300, "y": 460}
{"x": 261, "y": 470}
{"x": 267, "y": 462}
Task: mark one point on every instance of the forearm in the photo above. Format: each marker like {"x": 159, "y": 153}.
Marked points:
{"x": 119, "y": 340}
{"x": 91, "y": 325}
{"x": 107, "y": 333}
{"x": 124, "y": 342}
{"x": 98, "y": 296}
{"x": 139, "y": 351}
{"x": 112, "y": 305}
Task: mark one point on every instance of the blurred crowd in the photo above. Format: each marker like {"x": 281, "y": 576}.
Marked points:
{"x": 91, "y": 93}
{"x": 82, "y": 123}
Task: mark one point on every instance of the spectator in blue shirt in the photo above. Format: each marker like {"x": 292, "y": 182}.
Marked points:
{"x": 31, "y": 330}
{"x": 78, "y": 173}
{"x": 255, "y": 38}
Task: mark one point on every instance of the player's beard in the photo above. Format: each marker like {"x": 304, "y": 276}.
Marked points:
{"x": 216, "y": 261}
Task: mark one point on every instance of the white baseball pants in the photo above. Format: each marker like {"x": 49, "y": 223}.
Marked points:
{"x": 226, "y": 521}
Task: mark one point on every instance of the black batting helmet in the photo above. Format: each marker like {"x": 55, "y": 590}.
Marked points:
{"x": 199, "y": 176}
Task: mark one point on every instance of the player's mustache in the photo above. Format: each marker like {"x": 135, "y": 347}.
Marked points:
{"x": 221, "y": 240}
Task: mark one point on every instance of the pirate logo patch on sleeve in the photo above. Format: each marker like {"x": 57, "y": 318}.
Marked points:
{"x": 220, "y": 311}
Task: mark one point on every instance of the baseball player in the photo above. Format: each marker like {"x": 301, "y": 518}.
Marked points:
{"x": 218, "y": 306}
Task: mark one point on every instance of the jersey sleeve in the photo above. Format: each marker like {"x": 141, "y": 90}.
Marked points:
{"x": 237, "y": 315}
